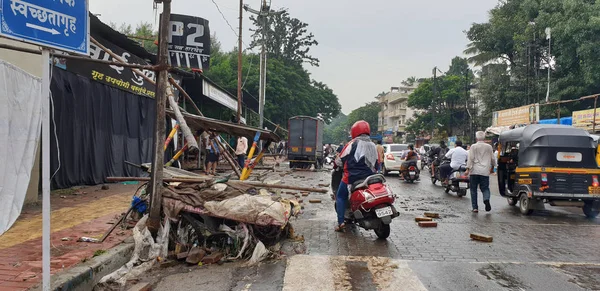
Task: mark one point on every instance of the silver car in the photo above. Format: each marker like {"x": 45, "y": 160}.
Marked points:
{"x": 392, "y": 158}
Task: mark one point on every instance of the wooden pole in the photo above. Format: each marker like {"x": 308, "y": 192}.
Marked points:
{"x": 233, "y": 182}
{"x": 156, "y": 179}
{"x": 185, "y": 129}
{"x": 228, "y": 158}
{"x": 594, "y": 122}
{"x": 185, "y": 94}
{"x": 239, "y": 84}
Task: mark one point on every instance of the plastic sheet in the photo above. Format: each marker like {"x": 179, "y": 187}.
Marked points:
{"x": 20, "y": 120}
{"x": 261, "y": 210}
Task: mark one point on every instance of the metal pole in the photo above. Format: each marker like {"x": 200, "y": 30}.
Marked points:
{"x": 239, "y": 84}
{"x": 45, "y": 170}
{"x": 263, "y": 69}
{"x": 159, "y": 123}
{"x": 433, "y": 101}
{"x": 594, "y": 120}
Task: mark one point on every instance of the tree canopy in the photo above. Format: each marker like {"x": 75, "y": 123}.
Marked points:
{"x": 515, "y": 36}
{"x": 287, "y": 38}
{"x": 442, "y": 101}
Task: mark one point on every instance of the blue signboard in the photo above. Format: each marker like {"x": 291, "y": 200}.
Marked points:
{"x": 60, "y": 24}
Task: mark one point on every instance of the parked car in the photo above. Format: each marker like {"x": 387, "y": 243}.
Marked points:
{"x": 392, "y": 159}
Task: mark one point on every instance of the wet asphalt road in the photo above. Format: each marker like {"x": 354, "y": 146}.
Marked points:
{"x": 553, "y": 249}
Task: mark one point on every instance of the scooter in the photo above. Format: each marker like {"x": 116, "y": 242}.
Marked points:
{"x": 411, "y": 173}
{"x": 435, "y": 170}
{"x": 458, "y": 182}
{"x": 371, "y": 205}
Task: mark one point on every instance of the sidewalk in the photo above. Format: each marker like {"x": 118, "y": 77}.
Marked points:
{"x": 83, "y": 212}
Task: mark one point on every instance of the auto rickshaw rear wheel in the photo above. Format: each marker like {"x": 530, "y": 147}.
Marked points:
{"x": 512, "y": 201}
{"x": 590, "y": 211}
{"x": 525, "y": 204}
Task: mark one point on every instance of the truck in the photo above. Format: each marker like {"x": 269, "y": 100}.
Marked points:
{"x": 305, "y": 142}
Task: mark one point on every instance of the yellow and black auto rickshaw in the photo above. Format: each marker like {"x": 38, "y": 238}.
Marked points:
{"x": 552, "y": 164}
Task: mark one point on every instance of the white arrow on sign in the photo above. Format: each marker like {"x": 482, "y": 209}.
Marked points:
{"x": 53, "y": 31}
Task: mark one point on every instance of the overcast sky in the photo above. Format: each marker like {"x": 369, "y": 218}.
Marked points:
{"x": 365, "y": 47}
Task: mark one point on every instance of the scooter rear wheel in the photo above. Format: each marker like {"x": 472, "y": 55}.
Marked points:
{"x": 383, "y": 232}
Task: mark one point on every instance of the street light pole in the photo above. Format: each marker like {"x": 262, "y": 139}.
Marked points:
{"x": 239, "y": 79}
{"x": 263, "y": 15}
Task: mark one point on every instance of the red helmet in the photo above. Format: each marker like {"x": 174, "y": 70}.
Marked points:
{"x": 360, "y": 127}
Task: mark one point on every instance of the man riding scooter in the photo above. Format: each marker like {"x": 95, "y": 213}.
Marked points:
{"x": 359, "y": 160}
{"x": 409, "y": 158}
{"x": 458, "y": 157}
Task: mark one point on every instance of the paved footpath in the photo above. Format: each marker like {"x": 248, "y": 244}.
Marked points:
{"x": 554, "y": 249}
{"x": 82, "y": 212}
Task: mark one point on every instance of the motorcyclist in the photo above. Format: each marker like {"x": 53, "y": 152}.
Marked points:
{"x": 409, "y": 156}
{"x": 359, "y": 159}
{"x": 458, "y": 157}
{"x": 436, "y": 155}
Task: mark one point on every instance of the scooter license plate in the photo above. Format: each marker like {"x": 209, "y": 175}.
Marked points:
{"x": 382, "y": 212}
{"x": 412, "y": 173}
{"x": 463, "y": 185}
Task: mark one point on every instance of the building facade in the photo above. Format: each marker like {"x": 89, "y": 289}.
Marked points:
{"x": 394, "y": 112}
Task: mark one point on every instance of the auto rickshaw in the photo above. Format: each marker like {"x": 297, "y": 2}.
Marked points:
{"x": 552, "y": 164}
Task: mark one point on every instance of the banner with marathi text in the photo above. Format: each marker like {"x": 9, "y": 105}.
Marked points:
{"x": 585, "y": 118}
{"x": 520, "y": 115}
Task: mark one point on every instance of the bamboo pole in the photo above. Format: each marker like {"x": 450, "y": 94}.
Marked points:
{"x": 170, "y": 137}
{"x": 229, "y": 159}
{"x": 176, "y": 156}
{"x": 185, "y": 129}
{"x": 233, "y": 182}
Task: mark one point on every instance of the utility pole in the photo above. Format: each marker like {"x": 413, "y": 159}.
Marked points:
{"x": 433, "y": 101}
{"x": 263, "y": 14}
{"x": 239, "y": 82}
{"x": 156, "y": 180}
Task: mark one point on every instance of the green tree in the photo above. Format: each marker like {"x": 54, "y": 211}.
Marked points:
{"x": 368, "y": 112}
{"x": 143, "y": 34}
{"x": 337, "y": 130}
{"x": 442, "y": 101}
{"x": 515, "y": 35}
{"x": 287, "y": 38}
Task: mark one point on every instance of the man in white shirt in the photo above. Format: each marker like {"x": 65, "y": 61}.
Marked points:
{"x": 458, "y": 157}
{"x": 480, "y": 165}
{"x": 240, "y": 150}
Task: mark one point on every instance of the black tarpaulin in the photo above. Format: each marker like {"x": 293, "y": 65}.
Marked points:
{"x": 99, "y": 128}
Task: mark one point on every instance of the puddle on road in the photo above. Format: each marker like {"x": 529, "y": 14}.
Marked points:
{"x": 586, "y": 277}
{"x": 497, "y": 274}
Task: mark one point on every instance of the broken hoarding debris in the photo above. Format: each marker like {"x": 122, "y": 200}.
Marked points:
{"x": 227, "y": 221}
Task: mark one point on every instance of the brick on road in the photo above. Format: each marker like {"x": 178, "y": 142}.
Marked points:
{"x": 432, "y": 214}
{"x": 314, "y": 200}
{"x": 482, "y": 237}
{"x": 417, "y": 219}
{"x": 427, "y": 224}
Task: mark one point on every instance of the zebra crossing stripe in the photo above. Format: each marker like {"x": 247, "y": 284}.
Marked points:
{"x": 306, "y": 272}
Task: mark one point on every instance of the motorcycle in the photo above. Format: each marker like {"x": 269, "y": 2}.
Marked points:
{"x": 425, "y": 162}
{"x": 458, "y": 182}
{"x": 435, "y": 170}
{"x": 371, "y": 205}
{"x": 411, "y": 173}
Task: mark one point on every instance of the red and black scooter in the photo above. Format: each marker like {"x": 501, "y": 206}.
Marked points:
{"x": 371, "y": 204}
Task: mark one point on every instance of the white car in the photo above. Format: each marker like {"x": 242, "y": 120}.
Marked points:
{"x": 392, "y": 158}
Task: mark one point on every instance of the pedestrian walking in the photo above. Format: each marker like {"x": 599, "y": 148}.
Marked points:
{"x": 480, "y": 165}
{"x": 240, "y": 150}
{"x": 213, "y": 154}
